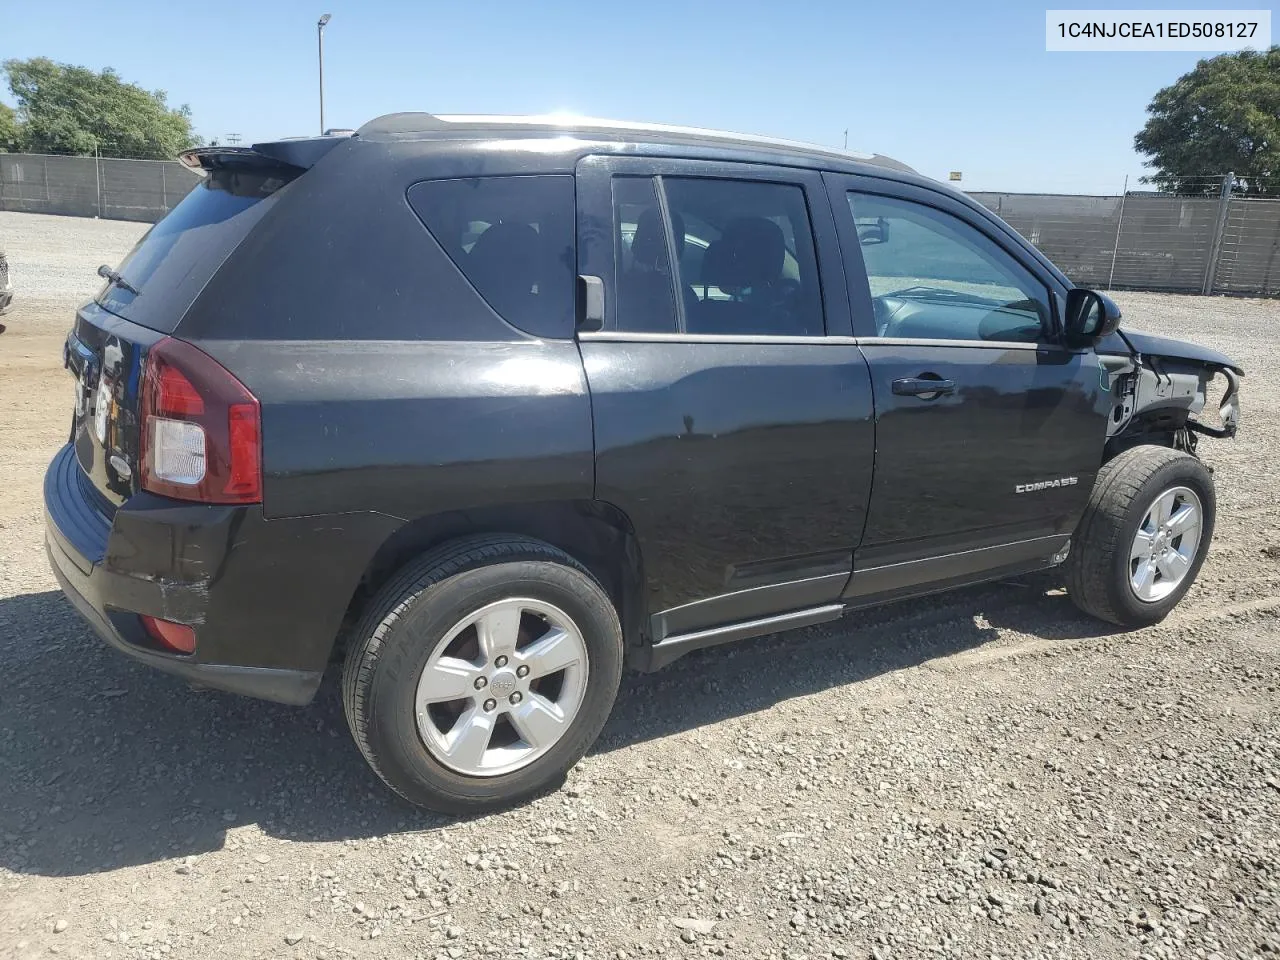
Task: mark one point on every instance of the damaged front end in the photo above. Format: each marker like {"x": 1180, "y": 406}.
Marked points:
{"x": 1159, "y": 388}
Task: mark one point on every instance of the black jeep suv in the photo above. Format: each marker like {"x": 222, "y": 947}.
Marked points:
{"x": 492, "y": 406}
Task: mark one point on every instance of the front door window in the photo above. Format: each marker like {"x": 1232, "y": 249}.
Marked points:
{"x": 933, "y": 276}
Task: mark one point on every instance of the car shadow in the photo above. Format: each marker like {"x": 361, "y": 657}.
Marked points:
{"x": 108, "y": 764}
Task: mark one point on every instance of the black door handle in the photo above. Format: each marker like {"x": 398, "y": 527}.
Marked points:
{"x": 928, "y": 386}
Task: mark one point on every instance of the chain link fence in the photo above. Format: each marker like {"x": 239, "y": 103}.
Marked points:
{"x": 1209, "y": 242}
{"x": 1249, "y": 261}
{"x": 91, "y": 187}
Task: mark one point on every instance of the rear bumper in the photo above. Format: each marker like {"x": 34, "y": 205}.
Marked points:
{"x": 85, "y": 593}
{"x": 266, "y": 598}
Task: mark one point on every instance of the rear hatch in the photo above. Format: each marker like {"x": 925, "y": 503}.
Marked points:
{"x": 151, "y": 291}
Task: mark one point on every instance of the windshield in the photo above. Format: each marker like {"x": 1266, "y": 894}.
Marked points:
{"x": 173, "y": 261}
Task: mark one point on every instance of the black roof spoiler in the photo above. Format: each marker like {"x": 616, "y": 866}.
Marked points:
{"x": 299, "y": 154}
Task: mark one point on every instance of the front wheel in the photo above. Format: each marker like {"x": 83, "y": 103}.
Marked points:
{"x": 482, "y": 673}
{"x": 1143, "y": 536}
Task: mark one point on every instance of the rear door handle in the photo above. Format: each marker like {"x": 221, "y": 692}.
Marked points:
{"x": 927, "y": 386}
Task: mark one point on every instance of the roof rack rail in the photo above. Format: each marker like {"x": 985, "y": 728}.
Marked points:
{"x": 410, "y": 123}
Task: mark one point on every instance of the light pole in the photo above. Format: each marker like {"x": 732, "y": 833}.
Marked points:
{"x": 320, "y": 49}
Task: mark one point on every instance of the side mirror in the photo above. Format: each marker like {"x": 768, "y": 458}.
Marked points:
{"x": 871, "y": 232}
{"x": 1090, "y": 315}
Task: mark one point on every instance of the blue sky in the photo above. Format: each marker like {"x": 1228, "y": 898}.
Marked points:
{"x": 939, "y": 85}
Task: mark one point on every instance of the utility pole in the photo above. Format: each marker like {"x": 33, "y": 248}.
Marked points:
{"x": 234, "y": 139}
{"x": 97, "y": 174}
{"x": 1115, "y": 247}
{"x": 320, "y": 50}
{"x": 1220, "y": 227}
{"x": 846, "y": 138}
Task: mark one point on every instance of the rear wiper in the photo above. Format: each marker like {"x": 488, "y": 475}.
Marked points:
{"x": 106, "y": 273}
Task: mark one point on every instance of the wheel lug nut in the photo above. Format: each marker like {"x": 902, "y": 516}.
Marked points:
{"x": 481, "y": 682}
{"x": 501, "y": 662}
{"x": 522, "y": 671}
{"x": 490, "y": 705}
{"x": 516, "y": 698}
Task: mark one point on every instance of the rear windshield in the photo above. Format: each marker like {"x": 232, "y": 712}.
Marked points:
{"x": 175, "y": 259}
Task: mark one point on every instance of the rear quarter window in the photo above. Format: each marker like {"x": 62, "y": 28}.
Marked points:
{"x": 513, "y": 239}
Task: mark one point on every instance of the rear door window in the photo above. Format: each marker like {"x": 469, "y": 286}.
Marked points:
{"x": 513, "y": 239}
{"x": 746, "y": 257}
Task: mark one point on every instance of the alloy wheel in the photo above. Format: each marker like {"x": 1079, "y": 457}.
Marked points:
{"x": 502, "y": 687}
{"x": 1164, "y": 548}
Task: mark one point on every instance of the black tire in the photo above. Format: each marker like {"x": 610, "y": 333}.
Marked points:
{"x": 409, "y": 616}
{"x": 1098, "y": 565}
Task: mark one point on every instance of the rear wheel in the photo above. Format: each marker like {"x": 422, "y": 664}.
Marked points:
{"x": 1143, "y": 536}
{"x": 482, "y": 673}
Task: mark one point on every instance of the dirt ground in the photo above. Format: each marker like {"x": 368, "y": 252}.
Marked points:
{"x": 983, "y": 774}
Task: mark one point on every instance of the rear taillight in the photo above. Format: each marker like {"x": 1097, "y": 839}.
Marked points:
{"x": 201, "y": 429}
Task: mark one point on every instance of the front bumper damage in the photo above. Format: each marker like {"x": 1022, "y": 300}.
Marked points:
{"x": 1228, "y": 411}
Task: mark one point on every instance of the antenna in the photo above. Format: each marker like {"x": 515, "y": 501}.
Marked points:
{"x": 846, "y": 138}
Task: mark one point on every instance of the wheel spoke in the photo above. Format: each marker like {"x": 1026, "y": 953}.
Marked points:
{"x": 552, "y": 652}
{"x": 447, "y": 679}
{"x": 1183, "y": 519}
{"x": 1164, "y": 508}
{"x": 1143, "y": 576}
{"x": 1141, "y": 546}
{"x": 538, "y": 721}
{"x": 469, "y": 739}
{"x": 497, "y": 630}
{"x": 1173, "y": 566}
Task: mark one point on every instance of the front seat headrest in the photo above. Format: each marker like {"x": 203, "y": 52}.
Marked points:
{"x": 748, "y": 255}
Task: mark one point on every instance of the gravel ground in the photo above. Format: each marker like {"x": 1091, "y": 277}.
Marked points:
{"x": 983, "y": 774}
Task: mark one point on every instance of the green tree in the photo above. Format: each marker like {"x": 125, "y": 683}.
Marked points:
{"x": 10, "y": 133}
{"x": 68, "y": 109}
{"x": 1222, "y": 116}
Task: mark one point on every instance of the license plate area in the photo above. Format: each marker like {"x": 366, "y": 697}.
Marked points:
{"x": 78, "y": 358}
{"x": 102, "y": 411}
{"x": 105, "y": 357}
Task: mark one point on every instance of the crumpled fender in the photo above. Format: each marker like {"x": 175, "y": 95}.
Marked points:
{"x": 1125, "y": 342}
